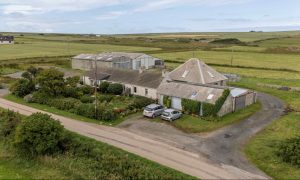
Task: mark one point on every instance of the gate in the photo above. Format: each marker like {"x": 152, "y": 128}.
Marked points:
{"x": 240, "y": 103}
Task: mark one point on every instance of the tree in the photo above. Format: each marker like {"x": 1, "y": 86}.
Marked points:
{"x": 51, "y": 81}
{"x": 38, "y": 134}
{"x": 22, "y": 87}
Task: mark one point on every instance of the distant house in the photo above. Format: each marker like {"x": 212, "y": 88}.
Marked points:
{"x": 195, "y": 80}
{"x": 136, "y": 82}
{"x": 6, "y": 39}
{"x": 121, "y": 60}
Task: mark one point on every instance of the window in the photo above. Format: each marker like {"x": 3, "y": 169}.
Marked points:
{"x": 134, "y": 89}
{"x": 146, "y": 91}
{"x": 185, "y": 73}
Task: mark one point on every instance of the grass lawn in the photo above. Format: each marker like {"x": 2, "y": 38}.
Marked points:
{"x": 192, "y": 124}
{"x": 261, "y": 149}
{"x": 64, "y": 113}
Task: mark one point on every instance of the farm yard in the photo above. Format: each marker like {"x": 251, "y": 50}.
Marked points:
{"x": 263, "y": 60}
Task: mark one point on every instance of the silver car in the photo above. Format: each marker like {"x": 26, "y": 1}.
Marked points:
{"x": 170, "y": 114}
{"x": 153, "y": 110}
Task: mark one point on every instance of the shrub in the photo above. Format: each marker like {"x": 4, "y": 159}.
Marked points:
{"x": 289, "y": 151}
{"x": 106, "y": 114}
{"x": 140, "y": 102}
{"x": 87, "y": 99}
{"x": 191, "y": 106}
{"x": 72, "y": 92}
{"x": 104, "y": 86}
{"x": 86, "y": 110}
{"x": 115, "y": 88}
{"x": 87, "y": 89}
{"x": 8, "y": 123}
{"x": 38, "y": 134}
{"x": 40, "y": 97}
{"x": 105, "y": 98}
{"x": 28, "y": 98}
{"x": 208, "y": 109}
{"x": 1, "y": 86}
{"x": 219, "y": 103}
{"x": 22, "y": 87}
{"x": 64, "y": 103}
{"x": 167, "y": 101}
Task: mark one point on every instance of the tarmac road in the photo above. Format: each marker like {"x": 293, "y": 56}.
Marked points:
{"x": 163, "y": 153}
{"x": 223, "y": 146}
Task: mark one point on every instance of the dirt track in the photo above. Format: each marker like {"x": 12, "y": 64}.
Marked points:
{"x": 163, "y": 153}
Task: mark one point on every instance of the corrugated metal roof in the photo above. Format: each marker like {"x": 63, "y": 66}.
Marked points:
{"x": 238, "y": 92}
{"x": 110, "y": 56}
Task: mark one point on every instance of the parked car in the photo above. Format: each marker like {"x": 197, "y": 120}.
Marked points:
{"x": 153, "y": 110}
{"x": 171, "y": 115}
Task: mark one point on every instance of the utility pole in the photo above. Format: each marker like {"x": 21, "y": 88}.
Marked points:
{"x": 96, "y": 84}
{"x": 231, "y": 56}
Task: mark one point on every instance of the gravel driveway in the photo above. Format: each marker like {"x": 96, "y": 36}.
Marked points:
{"x": 222, "y": 146}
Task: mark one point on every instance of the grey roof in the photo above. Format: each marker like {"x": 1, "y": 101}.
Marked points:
{"x": 238, "y": 92}
{"x": 190, "y": 91}
{"x": 150, "y": 79}
{"x": 6, "y": 38}
{"x": 109, "y": 56}
{"x": 196, "y": 71}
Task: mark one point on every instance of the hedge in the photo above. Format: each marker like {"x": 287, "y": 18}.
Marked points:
{"x": 115, "y": 88}
{"x": 167, "y": 101}
{"x": 191, "y": 106}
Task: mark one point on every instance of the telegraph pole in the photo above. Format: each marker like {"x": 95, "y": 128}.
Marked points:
{"x": 96, "y": 84}
{"x": 231, "y": 56}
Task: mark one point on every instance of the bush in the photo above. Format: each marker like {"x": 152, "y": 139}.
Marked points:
{"x": 64, "y": 103}
{"x": 115, "y": 88}
{"x": 289, "y": 151}
{"x": 140, "y": 102}
{"x": 104, "y": 86}
{"x": 1, "y": 86}
{"x": 87, "y": 99}
{"x": 191, "y": 106}
{"x": 38, "y": 134}
{"x": 22, "y": 87}
{"x": 86, "y": 110}
{"x": 72, "y": 92}
{"x": 208, "y": 109}
{"x": 8, "y": 123}
{"x": 28, "y": 98}
{"x": 106, "y": 114}
{"x": 105, "y": 97}
{"x": 87, "y": 90}
{"x": 40, "y": 97}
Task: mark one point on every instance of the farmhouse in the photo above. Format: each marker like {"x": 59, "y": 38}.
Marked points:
{"x": 6, "y": 39}
{"x": 136, "y": 82}
{"x": 193, "y": 80}
{"x": 121, "y": 60}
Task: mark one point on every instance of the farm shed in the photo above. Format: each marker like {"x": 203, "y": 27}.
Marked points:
{"x": 136, "y": 82}
{"x": 121, "y": 60}
{"x": 6, "y": 39}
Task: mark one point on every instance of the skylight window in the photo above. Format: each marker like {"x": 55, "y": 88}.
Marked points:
{"x": 210, "y": 74}
{"x": 185, "y": 73}
{"x": 210, "y": 96}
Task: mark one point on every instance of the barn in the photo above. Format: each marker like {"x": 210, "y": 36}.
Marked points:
{"x": 121, "y": 60}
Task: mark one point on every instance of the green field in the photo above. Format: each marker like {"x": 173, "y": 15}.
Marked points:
{"x": 264, "y": 58}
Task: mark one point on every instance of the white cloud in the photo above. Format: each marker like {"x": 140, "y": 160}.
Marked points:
{"x": 111, "y": 15}
{"x": 20, "y": 9}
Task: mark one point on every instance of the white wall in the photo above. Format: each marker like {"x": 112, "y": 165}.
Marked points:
{"x": 146, "y": 61}
{"x": 6, "y": 42}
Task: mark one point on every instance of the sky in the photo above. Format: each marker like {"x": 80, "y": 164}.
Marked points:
{"x": 148, "y": 16}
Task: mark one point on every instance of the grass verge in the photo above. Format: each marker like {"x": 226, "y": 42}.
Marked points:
{"x": 261, "y": 149}
{"x": 191, "y": 124}
{"x": 64, "y": 113}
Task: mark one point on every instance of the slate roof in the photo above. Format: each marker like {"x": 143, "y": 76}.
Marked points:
{"x": 150, "y": 79}
{"x": 196, "y": 71}
{"x": 190, "y": 91}
{"x": 109, "y": 56}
